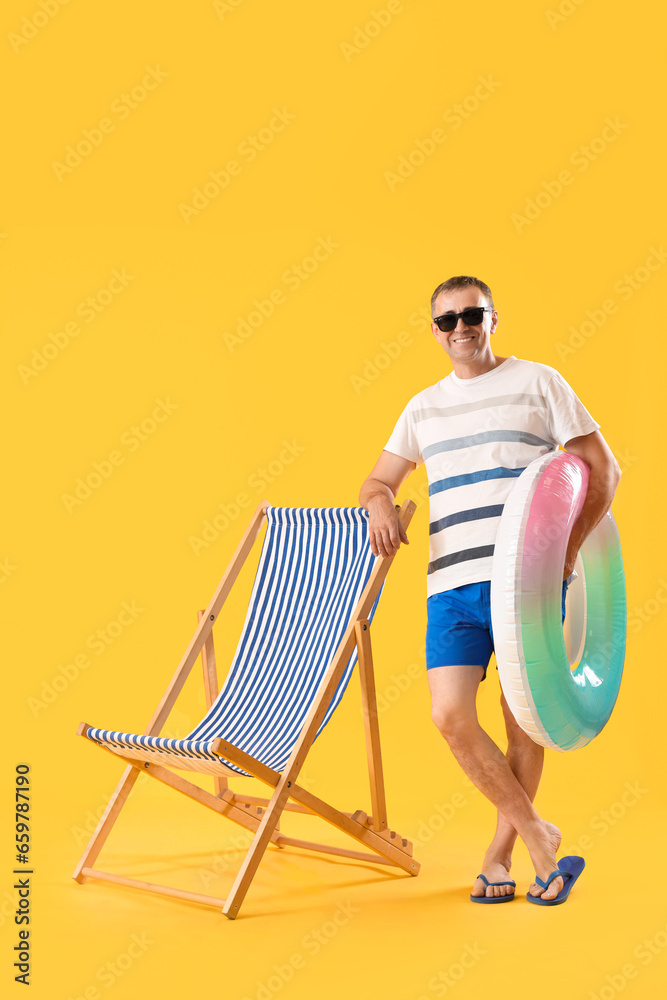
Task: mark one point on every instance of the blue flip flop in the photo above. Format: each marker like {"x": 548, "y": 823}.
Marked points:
{"x": 569, "y": 868}
{"x": 493, "y": 899}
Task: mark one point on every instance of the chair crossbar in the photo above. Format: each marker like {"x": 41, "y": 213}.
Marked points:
{"x": 161, "y": 890}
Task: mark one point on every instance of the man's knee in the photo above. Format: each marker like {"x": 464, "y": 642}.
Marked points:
{"x": 451, "y": 720}
{"x": 453, "y": 695}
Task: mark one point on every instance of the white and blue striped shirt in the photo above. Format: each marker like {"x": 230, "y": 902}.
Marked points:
{"x": 475, "y": 437}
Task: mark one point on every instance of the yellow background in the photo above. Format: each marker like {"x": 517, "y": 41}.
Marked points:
{"x": 328, "y": 372}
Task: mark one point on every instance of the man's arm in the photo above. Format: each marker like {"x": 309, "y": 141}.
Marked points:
{"x": 377, "y": 495}
{"x": 605, "y": 473}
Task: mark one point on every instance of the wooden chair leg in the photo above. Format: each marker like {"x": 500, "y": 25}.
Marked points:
{"x": 107, "y": 820}
{"x": 211, "y": 692}
{"x": 372, "y": 731}
{"x": 255, "y": 852}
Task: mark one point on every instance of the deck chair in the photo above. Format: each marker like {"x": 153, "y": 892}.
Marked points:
{"x": 315, "y": 592}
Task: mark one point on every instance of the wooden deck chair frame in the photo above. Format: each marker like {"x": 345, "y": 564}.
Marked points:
{"x": 262, "y": 815}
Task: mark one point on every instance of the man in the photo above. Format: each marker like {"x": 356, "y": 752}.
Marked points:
{"x": 476, "y": 430}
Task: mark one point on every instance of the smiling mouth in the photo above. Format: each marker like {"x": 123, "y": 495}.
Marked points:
{"x": 462, "y": 340}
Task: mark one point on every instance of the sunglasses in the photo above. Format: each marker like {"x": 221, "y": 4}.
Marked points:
{"x": 471, "y": 317}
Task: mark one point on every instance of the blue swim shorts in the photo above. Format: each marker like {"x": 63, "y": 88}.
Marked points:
{"x": 458, "y": 629}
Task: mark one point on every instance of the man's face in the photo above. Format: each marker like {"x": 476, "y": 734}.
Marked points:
{"x": 464, "y": 343}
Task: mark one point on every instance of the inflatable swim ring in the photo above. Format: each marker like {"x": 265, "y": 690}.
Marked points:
{"x": 560, "y": 684}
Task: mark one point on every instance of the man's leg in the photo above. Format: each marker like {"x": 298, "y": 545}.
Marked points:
{"x": 525, "y": 759}
{"x": 454, "y": 712}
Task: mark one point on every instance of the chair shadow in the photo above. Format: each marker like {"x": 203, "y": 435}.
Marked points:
{"x": 145, "y": 867}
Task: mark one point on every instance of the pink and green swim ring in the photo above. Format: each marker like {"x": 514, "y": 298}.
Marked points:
{"x": 560, "y": 682}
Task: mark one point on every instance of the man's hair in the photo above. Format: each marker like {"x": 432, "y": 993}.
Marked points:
{"x": 461, "y": 281}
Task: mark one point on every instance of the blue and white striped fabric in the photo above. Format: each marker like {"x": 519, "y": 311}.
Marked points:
{"x": 313, "y": 568}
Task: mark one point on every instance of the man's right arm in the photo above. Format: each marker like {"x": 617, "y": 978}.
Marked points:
{"x": 377, "y": 495}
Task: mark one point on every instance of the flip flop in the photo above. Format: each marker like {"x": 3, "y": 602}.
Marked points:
{"x": 569, "y": 868}
{"x": 493, "y": 899}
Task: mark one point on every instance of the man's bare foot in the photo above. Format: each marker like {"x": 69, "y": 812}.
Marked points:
{"x": 494, "y": 871}
{"x": 544, "y": 860}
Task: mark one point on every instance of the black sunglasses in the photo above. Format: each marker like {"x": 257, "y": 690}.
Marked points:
{"x": 471, "y": 317}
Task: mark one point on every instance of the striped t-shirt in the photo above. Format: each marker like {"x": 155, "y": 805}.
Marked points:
{"x": 475, "y": 437}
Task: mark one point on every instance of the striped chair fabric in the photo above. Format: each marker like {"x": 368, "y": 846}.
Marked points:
{"x": 313, "y": 568}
